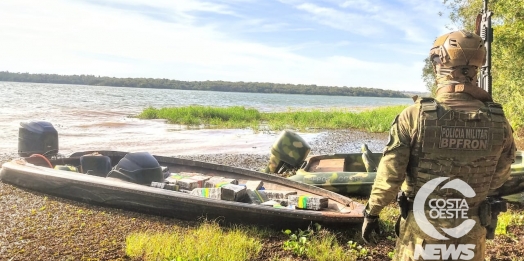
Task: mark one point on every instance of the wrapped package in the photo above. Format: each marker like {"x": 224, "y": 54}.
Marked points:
{"x": 256, "y": 196}
{"x": 232, "y": 192}
{"x": 308, "y": 202}
{"x": 174, "y": 177}
{"x": 254, "y": 184}
{"x": 283, "y": 202}
{"x": 155, "y": 184}
{"x": 163, "y": 185}
{"x": 201, "y": 180}
{"x": 171, "y": 186}
{"x": 178, "y": 176}
{"x": 272, "y": 203}
{"x": 190, "y": 183}
{"x": 214, "y": 193}
{"x": 187, "y": 183}
{"x": 279, "y": 194}
{"x": 217, "y": 182}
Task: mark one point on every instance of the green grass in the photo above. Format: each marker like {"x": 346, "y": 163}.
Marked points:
{"x": 322, "y": 245}
{"x": 328, "y": 248}
{"x": 508, "y": 219}
{"x": 205, "y": 243}
{"x": 209, "y": 241}
{"x": 375, "y": 120}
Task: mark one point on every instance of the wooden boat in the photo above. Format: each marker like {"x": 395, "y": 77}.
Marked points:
{"x": 35, "y": 173}
{"x": 353, "y": 174}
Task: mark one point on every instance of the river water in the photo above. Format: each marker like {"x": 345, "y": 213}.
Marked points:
{"x": 100, "y": 117}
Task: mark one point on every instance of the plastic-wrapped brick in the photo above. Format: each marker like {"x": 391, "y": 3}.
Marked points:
{"x": 256, "y": 196}
{"x": 217, "y": 182}
{"x": 158, "y": 184}
{"x": 283, "y": 201}
{"x": 308, "y": 202}
{"x": 166, "y": 186}
{"x": 254, "y": 184}
{"x": 171, "y": 186}
{"x": 278, "y": 194}
{"x": 181, "y": 175}
{"x": 231, "y": 192}
{"x": 275, "y": 204}
{"x": 214, "y": 193}
{"x": 187, "y": 183}
{"x": 201, "y": 180}
{"x": 174, "y": 177}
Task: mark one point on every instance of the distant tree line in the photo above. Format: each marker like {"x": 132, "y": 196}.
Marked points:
{"x": 221, "y": 86}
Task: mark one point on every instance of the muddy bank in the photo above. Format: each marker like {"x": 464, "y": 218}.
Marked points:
{"x": 340, "y": 141}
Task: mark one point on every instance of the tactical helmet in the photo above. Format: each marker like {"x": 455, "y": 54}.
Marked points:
{"x": 459, "y": 48}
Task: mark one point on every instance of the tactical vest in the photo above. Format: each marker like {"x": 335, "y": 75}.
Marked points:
{"x": 456, "y": 144}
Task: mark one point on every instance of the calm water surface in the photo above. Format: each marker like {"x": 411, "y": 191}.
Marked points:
{"x": 97, "y": 117}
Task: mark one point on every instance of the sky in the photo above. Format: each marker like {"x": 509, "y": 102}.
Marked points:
{"x": 353, "y": 43}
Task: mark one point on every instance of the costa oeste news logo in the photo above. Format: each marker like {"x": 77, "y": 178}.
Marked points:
{"x": 443, "y": 209}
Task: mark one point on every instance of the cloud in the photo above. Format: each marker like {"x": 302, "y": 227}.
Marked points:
{"x": 375, "y": 18}
{"x": 351, "y": 22}
{"x": 362, "y": 5}
{"x": 180, "y": 11}
{"x": 113, "y": 38}
{"x": 176, "y": 6}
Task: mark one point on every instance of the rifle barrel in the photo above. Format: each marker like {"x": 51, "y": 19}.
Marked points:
{"x": 486, "y": 33}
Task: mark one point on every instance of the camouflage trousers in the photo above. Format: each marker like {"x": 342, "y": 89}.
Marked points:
{"x": 411, "y": 235}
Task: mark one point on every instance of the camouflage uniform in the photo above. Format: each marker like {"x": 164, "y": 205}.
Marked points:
{"x": 461, "y": 134}
{"x": 416, "y": 153}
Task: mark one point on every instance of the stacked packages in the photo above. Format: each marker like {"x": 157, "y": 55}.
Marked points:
{"x": 252, "y": 191}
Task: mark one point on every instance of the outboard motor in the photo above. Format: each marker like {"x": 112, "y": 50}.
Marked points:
{"x": 288, "y": 152}
{"x": 37, "y": 137}
{"x": 138, "y": 167}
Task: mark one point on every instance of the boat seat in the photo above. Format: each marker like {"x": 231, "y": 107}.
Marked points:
{"x": 354, "y": 164}
{"x": 328, "y": 165}
{"x": 96, "y": 165}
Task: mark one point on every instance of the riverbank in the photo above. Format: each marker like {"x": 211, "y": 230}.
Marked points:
{"x": 36, "y": 226}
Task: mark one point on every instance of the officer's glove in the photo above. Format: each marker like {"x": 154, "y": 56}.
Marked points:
{"x": 370, "y": 224}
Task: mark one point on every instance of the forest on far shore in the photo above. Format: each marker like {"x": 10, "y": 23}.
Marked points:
{"x": 220, "y": 86}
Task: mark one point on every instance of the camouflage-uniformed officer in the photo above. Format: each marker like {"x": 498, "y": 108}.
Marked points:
{"x": 461, "y": 134}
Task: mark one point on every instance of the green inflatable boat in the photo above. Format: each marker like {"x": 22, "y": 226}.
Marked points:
{"x": 353, "y": 174}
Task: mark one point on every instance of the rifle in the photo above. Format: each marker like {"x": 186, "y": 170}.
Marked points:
{"x": 494, "y": 206}
{"x": 484, "y": 30}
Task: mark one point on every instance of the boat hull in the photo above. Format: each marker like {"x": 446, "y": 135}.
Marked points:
{"x": 135, "y": 197}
